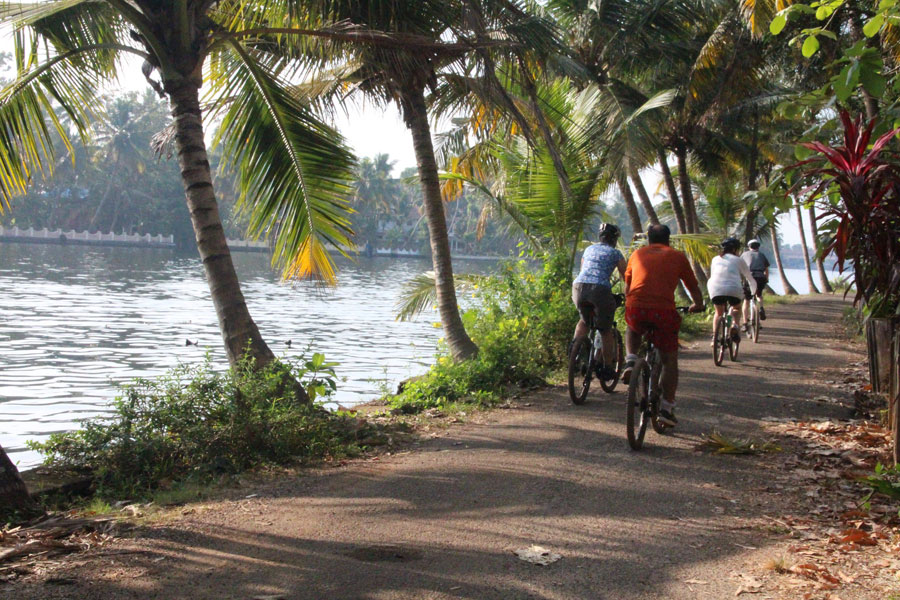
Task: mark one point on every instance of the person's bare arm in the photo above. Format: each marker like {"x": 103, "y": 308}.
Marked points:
{"x": 621, "y": 267}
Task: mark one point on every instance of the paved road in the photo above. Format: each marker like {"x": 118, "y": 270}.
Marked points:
{"x": 443, "y": 521}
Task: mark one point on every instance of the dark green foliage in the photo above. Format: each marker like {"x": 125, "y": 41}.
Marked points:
{"x": 195, "y": 423}
{"x": 522, "y": 321}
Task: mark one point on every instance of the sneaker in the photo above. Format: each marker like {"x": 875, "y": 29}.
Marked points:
{"x": 667, "y": 417}
{"x": 746, "y": 328}
{"x": 735, "y": 336}
{"x": 762, "y": 314}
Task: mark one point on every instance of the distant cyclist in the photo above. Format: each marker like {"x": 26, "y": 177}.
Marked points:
{"x": 725, "y": 274}
{"x": 651, "y": 277}
{"x": 592, "y": 291}
{"x": 759, "y": 267}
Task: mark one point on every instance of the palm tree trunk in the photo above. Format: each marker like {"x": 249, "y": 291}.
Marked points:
{"x": 633, "y": 214}
{"x": 642, "y": 194}
{"x": 812, "y": 286}
{"x": 820, "y": 260}
{"x": 673, "y": 192}
{"x": 687, "y": 195}
{"x": 239, "y": 331}
{"x": 415, "y": 114}
{"x": 14, "y": 496}
{"x": 788, "y": 288}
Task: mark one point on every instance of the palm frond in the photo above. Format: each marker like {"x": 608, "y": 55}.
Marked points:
{"x": 294, "y": 171}
{"x": 419, "y": 292}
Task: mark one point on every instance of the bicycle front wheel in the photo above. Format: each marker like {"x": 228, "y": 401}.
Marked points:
{"x": 609, "y": 385}
{"x": 719, "y": 343}
{"x": 580, "y": 367}
{"x": 638, "y": 410}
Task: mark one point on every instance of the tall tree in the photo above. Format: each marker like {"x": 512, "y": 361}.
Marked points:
{"x": 820, "y": 260}
{"x": 806, "y": 261}
{"x": 785, "y": 284}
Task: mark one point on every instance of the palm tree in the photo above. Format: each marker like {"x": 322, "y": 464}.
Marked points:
{"x": 806, "y": 262}
{"x": 788, "y": 288}
{"x": 820, "y": 260}
{"x": 295, "y": 166}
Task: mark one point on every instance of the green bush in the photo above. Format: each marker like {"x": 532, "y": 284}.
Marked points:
{"x": 195, "y": 423}
{"x": 522, "y": 322}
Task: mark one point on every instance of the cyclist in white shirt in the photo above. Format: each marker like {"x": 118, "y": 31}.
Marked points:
{"x": 725, "y": 274}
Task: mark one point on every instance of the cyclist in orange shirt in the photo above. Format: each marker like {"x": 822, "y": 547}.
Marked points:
{"x": 651, "y": 277}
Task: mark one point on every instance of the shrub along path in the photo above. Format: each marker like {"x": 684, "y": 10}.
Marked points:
{"x": 444, "y": 519}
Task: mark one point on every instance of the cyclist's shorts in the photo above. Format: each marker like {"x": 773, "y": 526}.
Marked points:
{"x": 594, "y": 300}
{"x": 665, "y": 321}
{"x": 726, "y": 299}
{"x": 761, "y": 283}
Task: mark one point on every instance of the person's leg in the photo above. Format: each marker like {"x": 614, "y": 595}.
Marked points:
{"x": 581, "y": 329}
{"x": 745, "y": 311}
{"x": 632, "y": 342}
{"x": 669, "y": 378}
{"x": 609, "y": 350}
{"x": 720, "y": 310}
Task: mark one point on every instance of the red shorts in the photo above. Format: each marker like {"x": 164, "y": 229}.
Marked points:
{"x": 666, "y": 323}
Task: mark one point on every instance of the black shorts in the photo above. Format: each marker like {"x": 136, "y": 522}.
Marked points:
{"x": 595, "y": 301}
{"x": 717, "y": 300}
{"x": 761, "y": 282}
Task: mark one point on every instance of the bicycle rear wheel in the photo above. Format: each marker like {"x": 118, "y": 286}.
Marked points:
{"x": 734, "y": 345}
{"x": 754, "y": 320}
{"x": 580, "y": 368}
{"x": 638, "y": 410}
{"x": 719, "y": 343}
{"x": 609, "y": 385}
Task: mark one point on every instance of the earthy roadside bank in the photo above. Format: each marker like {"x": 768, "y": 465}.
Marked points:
{"x": 443, "y": 518}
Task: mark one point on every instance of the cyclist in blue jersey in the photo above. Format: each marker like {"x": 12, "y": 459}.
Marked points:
{"x": 592, "y": 290}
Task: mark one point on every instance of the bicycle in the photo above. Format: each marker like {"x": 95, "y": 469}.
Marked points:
{"x": 755, "y": 326}
{"x": 586, "y": 361}
{"x": 724, "y": 339}
{"x": 644, "y": 393}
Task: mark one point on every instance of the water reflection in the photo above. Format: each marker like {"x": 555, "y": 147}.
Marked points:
{"x": 76, "y": 321}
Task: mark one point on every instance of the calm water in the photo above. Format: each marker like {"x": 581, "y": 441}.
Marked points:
{"x": 76, "y": 321}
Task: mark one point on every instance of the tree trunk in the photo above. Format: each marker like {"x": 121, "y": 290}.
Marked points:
{"x": 812, "y": 286}
{"x": 673, "y": 192}
{"x": 415, "y": 114}
{"x": 788, "y": 288}
{"x": 239, "y": 332}
{"x": 630, "y": 206}
{"x": 14, "y": 496}
{"x": 820, "y": 260}
{"x": 687, "y": 194}
{"x": 642, "y": 194}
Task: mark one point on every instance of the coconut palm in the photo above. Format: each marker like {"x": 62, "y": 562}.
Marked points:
{"x": 289, "y": 161}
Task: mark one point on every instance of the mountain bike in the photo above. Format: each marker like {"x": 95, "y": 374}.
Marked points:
{"x": 586, "y": 361}
{"x": 644, "y": 392}
{"x": 724, "y": 338}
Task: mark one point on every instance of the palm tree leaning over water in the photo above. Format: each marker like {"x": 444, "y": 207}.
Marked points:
{"x": 298, "y": 168}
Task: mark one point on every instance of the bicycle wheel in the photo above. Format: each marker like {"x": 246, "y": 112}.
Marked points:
{"x": 734, "y": 345}
{"x": 580, "y": 368}
{"x": 719, "y": 343}
{"x": 754, "y": 320}
{"x": 609, "y": 385}
{"x": 637, "y": 404}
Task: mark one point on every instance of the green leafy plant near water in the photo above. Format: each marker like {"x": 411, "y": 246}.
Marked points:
{"x": 521, "y": 321}
{"x": 197, "y": 424}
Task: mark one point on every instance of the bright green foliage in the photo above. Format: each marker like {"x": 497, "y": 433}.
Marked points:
{"x": 522, "y": 324}
{"x": 195, "y": 423}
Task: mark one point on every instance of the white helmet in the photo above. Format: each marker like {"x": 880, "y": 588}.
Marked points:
{"x": 753, "y": 244}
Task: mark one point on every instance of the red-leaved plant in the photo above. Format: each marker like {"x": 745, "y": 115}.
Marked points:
{"x": 858, "y": 188}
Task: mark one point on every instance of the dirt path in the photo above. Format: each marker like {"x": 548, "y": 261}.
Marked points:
{"x": 443, "y": 520}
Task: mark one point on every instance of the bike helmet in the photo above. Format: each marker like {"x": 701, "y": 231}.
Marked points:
{"x": 730, "y": 244}
{"x": 754, "y": 244}
{"x": 608, "y": 233}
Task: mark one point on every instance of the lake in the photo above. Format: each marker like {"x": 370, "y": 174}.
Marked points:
{"x": 77, "y": 321}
